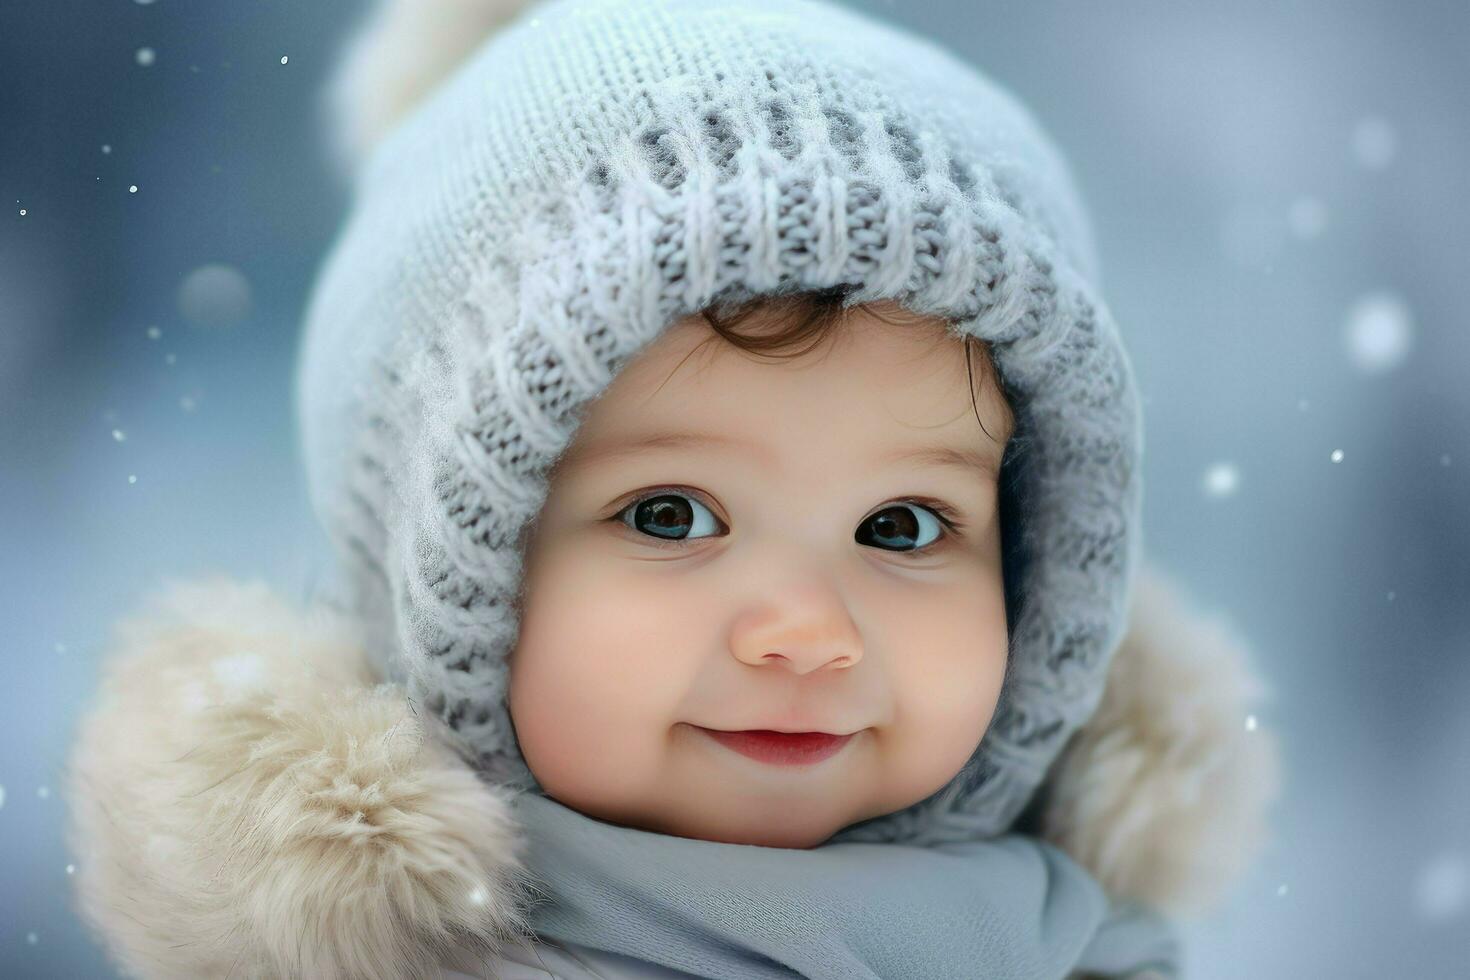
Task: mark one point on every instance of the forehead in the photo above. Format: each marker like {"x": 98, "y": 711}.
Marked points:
{"x": 877, "y": 387}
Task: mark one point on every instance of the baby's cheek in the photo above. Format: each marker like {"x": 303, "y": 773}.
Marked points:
{"x": 595, "y": 683}
{"x": 929, "y": 747}
{"x": 946, "y": 680}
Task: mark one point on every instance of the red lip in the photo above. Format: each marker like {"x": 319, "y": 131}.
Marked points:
{"x": 781, "y": 748}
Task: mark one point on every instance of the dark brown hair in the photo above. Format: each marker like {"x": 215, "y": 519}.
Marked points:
{"x": 811, "y": 316}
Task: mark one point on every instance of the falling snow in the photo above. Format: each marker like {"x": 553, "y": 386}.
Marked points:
{"x": 32, "y": 938}
{"x": 145, "y": 56}
{"x": 1375, "y": 143}
{"x": 1250, "y": 723}
{"x": 119, "y": 435}
{"x": 44, "y": 792}
{"x": 154, "y": 333}
{"x": 132, "y": 478}
{"x": 1378, "y": 332}
{"x": 132, "y": 188}
{"x": 283, "y": 59}
{"x": 1221, "y": 480}
{"x": 1337, "y": 455}
{"x": 1442, "y": 886}
{"x": 2, "y": 797}
{"x": 215, "y": 295}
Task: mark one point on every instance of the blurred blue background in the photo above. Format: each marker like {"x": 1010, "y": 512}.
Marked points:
{"x": 1281, "y": 195}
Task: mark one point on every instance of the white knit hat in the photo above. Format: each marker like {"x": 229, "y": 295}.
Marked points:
{"x": 598, "y": 169}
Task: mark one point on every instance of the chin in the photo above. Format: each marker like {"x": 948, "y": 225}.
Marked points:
{"x": 761, "y": 829}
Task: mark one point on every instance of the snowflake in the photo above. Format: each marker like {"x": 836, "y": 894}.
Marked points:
{"x": 1442, "y": 886}
{"x": 1374, "y": 142}
{"x": 1378, "y": 332}
{"x": 1221, "y": 480}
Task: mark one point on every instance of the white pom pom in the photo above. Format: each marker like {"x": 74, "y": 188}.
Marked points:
{"x": 397, "y": 56}
{"x": 1164, "y": 794}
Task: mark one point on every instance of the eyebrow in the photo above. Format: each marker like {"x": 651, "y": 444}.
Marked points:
{"x": 969, "y": 460}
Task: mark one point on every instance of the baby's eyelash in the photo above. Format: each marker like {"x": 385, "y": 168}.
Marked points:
{"x": 942, "y": 510}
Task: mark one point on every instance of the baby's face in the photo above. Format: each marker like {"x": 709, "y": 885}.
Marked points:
{"x": 766, "y": 574}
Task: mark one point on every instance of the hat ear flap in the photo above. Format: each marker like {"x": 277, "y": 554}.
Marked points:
{"x": 1162, "y": 794}
{"x": 398, "y": 54}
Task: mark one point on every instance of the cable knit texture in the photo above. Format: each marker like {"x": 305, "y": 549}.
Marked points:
{"x": 600, "y": 168}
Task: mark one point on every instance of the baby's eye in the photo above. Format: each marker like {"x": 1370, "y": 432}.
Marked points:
{"x": 906, "y": 526}
{"x": 900, "y": 526}
{"x": 667, "y": 515}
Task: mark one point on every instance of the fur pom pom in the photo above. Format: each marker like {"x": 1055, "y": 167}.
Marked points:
{"x": 1163, "y": 793}
{"x": 397, "y": 56}
{"x": 246, "y": 801}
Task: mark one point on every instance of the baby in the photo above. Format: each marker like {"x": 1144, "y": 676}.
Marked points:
{"x": 738, "y": 544}
{"x": 735, "y": 475}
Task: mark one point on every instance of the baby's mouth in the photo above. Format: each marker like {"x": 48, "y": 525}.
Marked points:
{"x": 781, "y": 748}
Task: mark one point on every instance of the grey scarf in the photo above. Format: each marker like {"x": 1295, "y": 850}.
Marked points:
{"x": 1013, "y": 906}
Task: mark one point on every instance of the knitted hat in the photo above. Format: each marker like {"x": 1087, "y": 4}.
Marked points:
{"x": 596, "y": 170}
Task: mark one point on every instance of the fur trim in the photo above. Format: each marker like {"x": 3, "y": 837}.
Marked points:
{"x": 1162, "y": 795}
{"x": 246, "y": 802}
{"x": 400, "y": 53}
